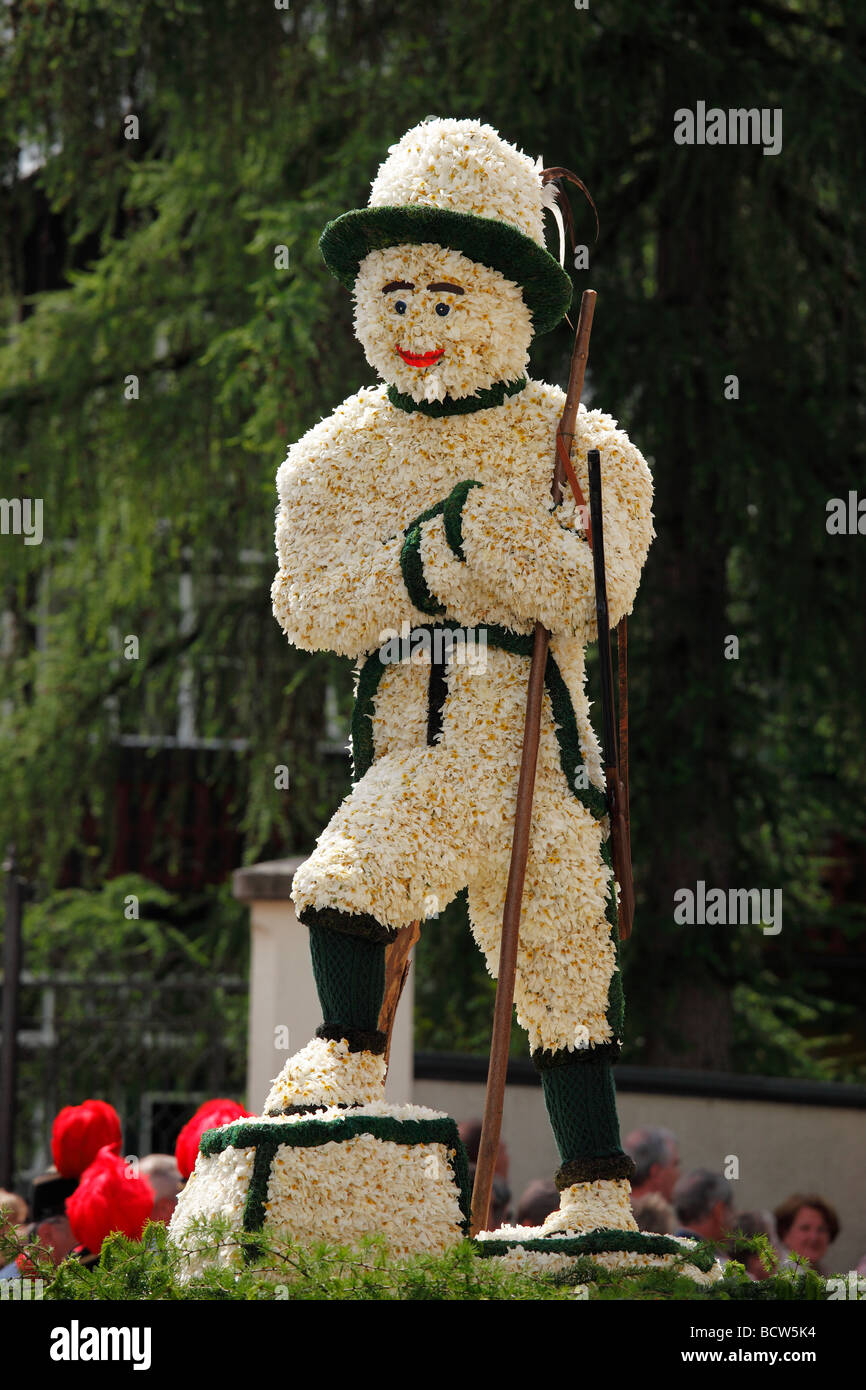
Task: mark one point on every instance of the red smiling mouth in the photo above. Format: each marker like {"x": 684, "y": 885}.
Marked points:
{"x": 415, "y": 359}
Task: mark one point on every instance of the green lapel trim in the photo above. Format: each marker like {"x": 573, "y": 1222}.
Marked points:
{"x": 452, "y": 516}
{"x": 363, "y": 751}
{"x": 463, "y": 405}
{"x": 412, "y": 565}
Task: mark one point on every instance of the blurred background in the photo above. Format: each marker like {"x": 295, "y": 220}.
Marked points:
{"x": 169, "y": 329}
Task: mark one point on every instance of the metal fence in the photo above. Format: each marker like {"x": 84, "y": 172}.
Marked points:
{"x": 154, "y": 1049}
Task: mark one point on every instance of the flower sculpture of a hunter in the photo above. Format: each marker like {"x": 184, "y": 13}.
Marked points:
{"x": 425, "y": 502}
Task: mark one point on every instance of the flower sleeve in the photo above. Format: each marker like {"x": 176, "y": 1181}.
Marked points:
{"x": 437, "y": 581}
{"x": 340, "y": 583}
{"x": 536, "y": 556}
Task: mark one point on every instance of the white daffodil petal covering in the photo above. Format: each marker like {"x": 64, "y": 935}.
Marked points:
{"x": 217, "y": 1187}
{"x": 326, "y": 1073}
{"x": 604, "y": 1204}
{"x": 522, "y": 1261}
{"x": 425, "y": 821}
{"x": 330, "y": 1176}
{"x": 463, "y": 166}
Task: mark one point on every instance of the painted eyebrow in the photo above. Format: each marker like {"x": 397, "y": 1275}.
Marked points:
{"x": 397, "y": 285}
{"x": 443, "y": 285}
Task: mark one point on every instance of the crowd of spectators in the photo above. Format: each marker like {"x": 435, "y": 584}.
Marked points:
{"x": 799, "y": 1231}
{"x": 91, "y": 1191}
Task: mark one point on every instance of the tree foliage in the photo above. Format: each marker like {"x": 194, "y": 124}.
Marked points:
{"x": 156, "y": 258}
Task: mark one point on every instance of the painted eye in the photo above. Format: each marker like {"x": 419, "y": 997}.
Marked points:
{"x": 443, "y": 309}
{"x": 400, "y": 306}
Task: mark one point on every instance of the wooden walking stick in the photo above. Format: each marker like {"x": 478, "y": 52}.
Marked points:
{"x": 501, "y": 1035}
{"x": 397, "y": 965}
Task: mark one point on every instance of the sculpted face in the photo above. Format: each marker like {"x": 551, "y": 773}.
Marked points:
{"x": 433, "y": 323}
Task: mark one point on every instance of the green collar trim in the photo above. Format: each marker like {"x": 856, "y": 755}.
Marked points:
{"x": 463, "y": 405}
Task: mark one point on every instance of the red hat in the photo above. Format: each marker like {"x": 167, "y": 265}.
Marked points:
{"x": 111, "y": 1196}
{"x": 208, "y": 1116}
{"x": 79, "y": 1132}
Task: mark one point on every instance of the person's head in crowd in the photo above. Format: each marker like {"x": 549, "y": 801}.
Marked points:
{"x": 656, "y": 1158}
{"x": 653, "y": 1212}
{"x": 703, "y": 1201}
{"x": 54, "y": 1238}
{"x": 50, "y": 1227}
{"x": 539, "y": 1199}
{"x": 211, "y": 1115}
{"x": 500, "y": 1200}
{"x": 13, "y": 1212}
{"x": 807, "y": 1225}
{"x": 470, "y": 1133}
{"x": 111, "y": 1196}
{"x": 162, "y": 1172}
{"x": 54, "y": 1241}
{"x": 744, "y": 1227}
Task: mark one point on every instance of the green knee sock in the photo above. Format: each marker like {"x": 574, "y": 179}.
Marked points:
{"x": 581, "y": 1106}
{"x": 350, "y": 978}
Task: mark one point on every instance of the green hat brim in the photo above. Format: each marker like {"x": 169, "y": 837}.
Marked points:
{"x": 547, "y": 289}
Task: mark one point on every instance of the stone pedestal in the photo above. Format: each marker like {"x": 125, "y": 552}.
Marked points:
{"x": 284, "y": 1007}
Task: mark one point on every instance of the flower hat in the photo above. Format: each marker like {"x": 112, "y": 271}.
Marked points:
{"x": 457, "y": 183}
